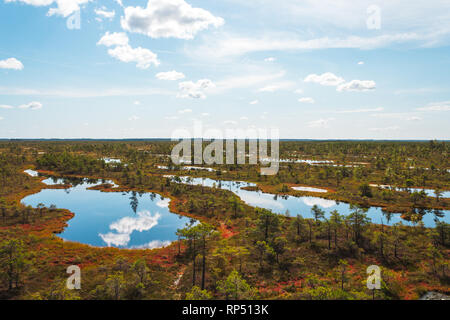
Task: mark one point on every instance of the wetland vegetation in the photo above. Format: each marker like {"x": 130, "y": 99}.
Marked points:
{"x": 141, "y": 227}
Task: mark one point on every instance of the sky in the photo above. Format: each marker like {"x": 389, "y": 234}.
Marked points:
{"x": 312, "y": 69}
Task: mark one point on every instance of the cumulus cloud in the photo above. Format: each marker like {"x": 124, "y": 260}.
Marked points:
{"x": 361, "y": 63}
{"x": 170, "y": 75}
{"x": 143, "y": 58}
{"x": 194, "y": 90}
{"x": 133, "y": 118}
{"x": 325, "y": 79}
{"x": 185, "y": 111}
{"x": 143, "y": 222}
{"x": 32, "y": 105}
{"x": 113, "y": 39}
{"x": 104, "y": 13}
{"x": 115, "y": 239}
{"x": 5, "y": 106}
{"x": 154, "y": 244}
{"x": 11, "y": 63}
{"x": 436, "y": 106}
{"x": 306, "y": 100}
{"x": 321, "y": 123}
{"x": 324, "y": 203}
{"x": 357, "y": 85}
{"x": 124, "y": 227}
{"x": 168, "y": 19}
{"x": 1, "y": 118}
{"x": 254, "y": 102}
{"x": 163, "y": 203}
{"x": 270, "y": 59}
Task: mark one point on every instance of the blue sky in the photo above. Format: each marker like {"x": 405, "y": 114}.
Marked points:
{"x": 141, "y": 69}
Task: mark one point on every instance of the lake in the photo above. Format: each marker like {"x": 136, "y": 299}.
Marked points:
{"x": 119, "y": 219}
{"x": 302, "y": 205}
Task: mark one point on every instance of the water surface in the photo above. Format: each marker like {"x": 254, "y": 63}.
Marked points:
{"x": 302, "y": 205}
{"x": 119, "y": 219}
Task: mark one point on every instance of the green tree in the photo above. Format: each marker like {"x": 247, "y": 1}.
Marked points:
{"x": 365, "y": 191}
{"x": 14, "y": 261}
{"x": 198, "y": 294}
{"x": 115, "y": 284}
{"x": 268, "y": 223}
{"x": 317, "y": 213}
{"x": 235, "y": 287}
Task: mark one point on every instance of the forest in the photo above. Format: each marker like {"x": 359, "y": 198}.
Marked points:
{"x": 230, "y": 249}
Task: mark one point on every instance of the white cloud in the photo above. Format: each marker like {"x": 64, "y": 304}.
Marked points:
{"x": 137, "y": 102}
{"x": 361, "y": 63}
{"x": 306, "y": 100}
{"x": 357, "y": 85}
{"x": 270, "y": 59}
{"x": 86, "y": 92}
{"x": 326, "y": 79}
{"x": 436, "y": 106}
{"x": 194, "y": 90}
{"x": 361, "y": 110}
{"x": 133, "y": 118}
{"x": 115, "y": 239}
{"x": 254, "y": 102}
{"x": 205, "y": 114}
{"x": 4, "y": 106}
{"x": 163, "y": 203}
{"x": 404, "y": 116}
{"x": 321, "y": 123}
{"x": 227, "y": 46}
{"x": 243, "y": 118}
{"x": 113, "y": 39}
{"x": 1, "y": 118}
{"x": 170, "y": 75}
{"x": 230, "y": 122}
{"x": 143, "y": 222}
{"x": 144, "y": 58}
{"x": 153, "y": 245}
{"x": 11, "y": 63}
{"x": 276, "y": 86}
{"x": 245, "y": 81}
{"x": 185, "y": 111}
{"x": 171, "y": 118}
{"x": 32, "y": 105}
{"x": 299, "y": 91}
{"x": 168, "y": 19}
{"x": 324, "y": 203}
{"x": 104, "y": 13}
{"x": 63, "y": 7}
